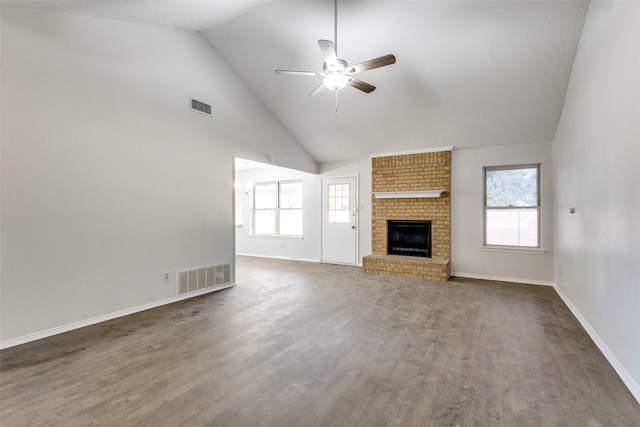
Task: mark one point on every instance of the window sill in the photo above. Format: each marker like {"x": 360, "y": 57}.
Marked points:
{"x": 514, "y": 250}
{"x": 276, "y": 236}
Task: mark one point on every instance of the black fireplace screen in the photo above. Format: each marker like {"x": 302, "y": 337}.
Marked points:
{"x": 409, "y": 238}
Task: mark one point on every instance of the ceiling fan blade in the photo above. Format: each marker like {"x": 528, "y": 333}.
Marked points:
{"x": 373, "y": 63}
{"x": 298, "y": 73}
{"x": 328, "y": 52}
{"x": 359, "y": 84}
{"x": 318, "y": 90}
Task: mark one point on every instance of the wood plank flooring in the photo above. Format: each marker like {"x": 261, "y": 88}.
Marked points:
{"x": 305, "y": 344}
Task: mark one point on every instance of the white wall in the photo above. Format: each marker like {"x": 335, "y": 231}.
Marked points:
{"x": 468, "y": 257}
{"x": 306, "y": 248}
{"x": 597, "y": 159}
{"x": 108, "y": 179}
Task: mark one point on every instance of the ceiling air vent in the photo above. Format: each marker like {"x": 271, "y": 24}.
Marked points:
{"x": 200, "y": 107}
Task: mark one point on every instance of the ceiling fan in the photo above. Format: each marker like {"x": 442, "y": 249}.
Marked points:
{"x": 336, "y": 72}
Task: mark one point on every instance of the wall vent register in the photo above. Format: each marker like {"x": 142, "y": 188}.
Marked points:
{"x": 203, "y": 277}
{"x": 200, "y": 107}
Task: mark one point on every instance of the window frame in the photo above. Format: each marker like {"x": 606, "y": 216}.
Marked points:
{"x": 538, "y": 208}
{"x": 277, "y": 209}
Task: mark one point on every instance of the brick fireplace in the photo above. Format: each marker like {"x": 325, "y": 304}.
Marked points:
{"x": 408, "y": 188}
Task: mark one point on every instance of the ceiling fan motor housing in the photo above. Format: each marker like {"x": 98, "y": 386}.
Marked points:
{"x": 339, "y": 67}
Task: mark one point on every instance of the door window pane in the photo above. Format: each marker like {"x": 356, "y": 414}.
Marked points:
{"x": 338, "y": 203}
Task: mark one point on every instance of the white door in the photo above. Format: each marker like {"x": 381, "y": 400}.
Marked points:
{"x": 340, "y": 220}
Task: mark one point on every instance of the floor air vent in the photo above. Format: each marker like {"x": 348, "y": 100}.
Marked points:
{"x": 203, "y": 277}
{"x": 200, "y": 107}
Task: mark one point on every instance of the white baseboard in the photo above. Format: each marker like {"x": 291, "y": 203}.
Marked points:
{"x": 290, "y": 258}
{"x": 624, "y": 375}
{"x": 293, "y": 258}
{"x": 503, "y": 279}
{"x": 92, "y": 321}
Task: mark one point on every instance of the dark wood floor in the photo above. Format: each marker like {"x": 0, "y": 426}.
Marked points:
{"x": 304, "y": 344}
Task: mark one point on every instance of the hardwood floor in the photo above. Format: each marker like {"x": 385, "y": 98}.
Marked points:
{"x": 305, "y": 344}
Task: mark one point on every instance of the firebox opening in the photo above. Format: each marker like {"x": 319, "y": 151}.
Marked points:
{"x": 409, "y": 238}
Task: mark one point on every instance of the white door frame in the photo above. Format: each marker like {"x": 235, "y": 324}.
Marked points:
{"x": 356, "y": 220}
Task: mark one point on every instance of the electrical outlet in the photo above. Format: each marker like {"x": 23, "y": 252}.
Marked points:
{"x": 165, "y": 276}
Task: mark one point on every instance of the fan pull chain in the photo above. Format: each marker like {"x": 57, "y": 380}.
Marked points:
{"x": 336, "y": 103}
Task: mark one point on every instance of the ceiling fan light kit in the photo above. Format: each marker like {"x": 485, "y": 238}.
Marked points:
{"x": 335, "y": 81}
{"x": 336, "y": 72}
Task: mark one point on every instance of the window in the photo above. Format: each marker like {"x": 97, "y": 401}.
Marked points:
{"x": 277, "y": 208}
{"x": 338, "y": 207}
{"x": 512, "y": 206}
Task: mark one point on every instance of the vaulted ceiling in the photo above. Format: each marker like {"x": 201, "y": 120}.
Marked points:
{"x": 468, "y": 73}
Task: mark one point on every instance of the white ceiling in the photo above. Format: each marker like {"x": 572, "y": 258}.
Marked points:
{"x": 468, "y": 73}
{"x": 196, "y": 15}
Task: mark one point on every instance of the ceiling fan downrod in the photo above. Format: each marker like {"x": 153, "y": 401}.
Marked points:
{"x": 335, "y": 25}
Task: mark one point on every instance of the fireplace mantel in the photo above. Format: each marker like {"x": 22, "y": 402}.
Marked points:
{"x": 408, "y": 194}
